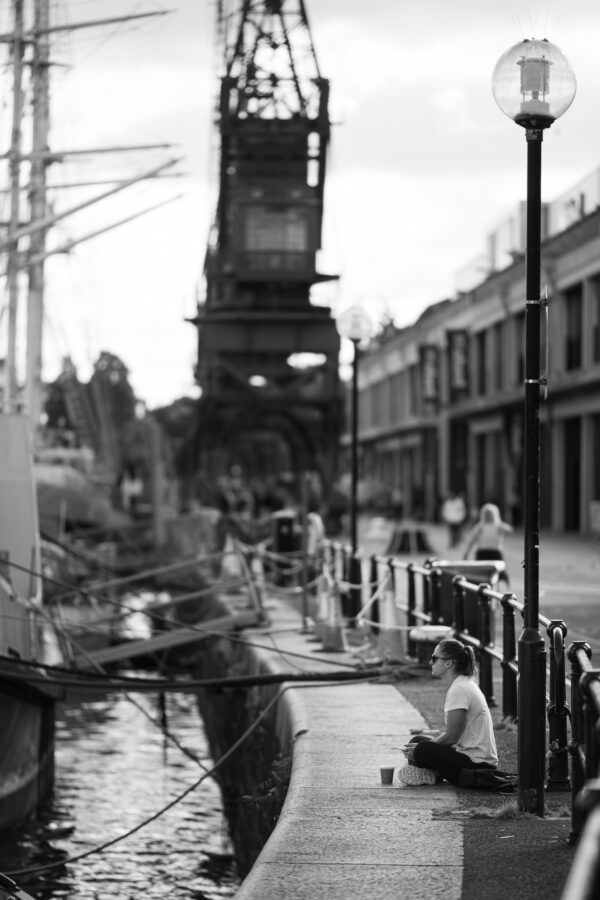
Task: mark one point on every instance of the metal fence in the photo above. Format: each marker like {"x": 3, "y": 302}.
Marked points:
{"x": 392, "y": 595}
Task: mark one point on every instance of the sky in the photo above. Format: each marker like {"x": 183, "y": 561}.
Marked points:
{"x": 422, "y": 163}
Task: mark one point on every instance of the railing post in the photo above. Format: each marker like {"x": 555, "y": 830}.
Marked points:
{"x": 344, "y": 568}
{"x": 436, "y": 587}
{"x": 509, "y": 659}
{"x": 558, "y": 711}
{"x": 590, "y": 723}
{"x": 411, "y": 619}
{"x": 577, "y": 735}
{"x": 398, "y": 643}
{"x": 426, "y": 581}
{"x": 373, "y": 588}
{"x": 486, "y": 679}
{"x": 583, "y": 882}
{"x": 458, "y": 603}
{"x": 355, "y": 577}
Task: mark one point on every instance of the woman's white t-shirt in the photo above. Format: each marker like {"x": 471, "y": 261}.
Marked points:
{"x": 477, "y": 739}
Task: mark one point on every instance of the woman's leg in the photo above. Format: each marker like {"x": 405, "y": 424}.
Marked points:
{"x": 447, "y": 761}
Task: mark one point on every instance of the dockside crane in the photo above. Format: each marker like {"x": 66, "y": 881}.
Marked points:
{"x": 258, "y": 408}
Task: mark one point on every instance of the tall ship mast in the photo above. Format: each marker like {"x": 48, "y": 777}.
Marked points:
{"x": 31, "y": 215}
{"x": 27, "y": 699}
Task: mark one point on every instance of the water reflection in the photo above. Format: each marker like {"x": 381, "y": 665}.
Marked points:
{"x": 114, "y": 769}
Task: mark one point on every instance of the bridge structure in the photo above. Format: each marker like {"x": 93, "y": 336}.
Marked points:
{"x": 267, "y": 360}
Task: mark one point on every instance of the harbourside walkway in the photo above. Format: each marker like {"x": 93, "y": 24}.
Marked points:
{"x": 342, "y": 834}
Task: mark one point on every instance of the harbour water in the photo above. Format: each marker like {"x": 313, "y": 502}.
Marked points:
{"x": 115, "y": 768}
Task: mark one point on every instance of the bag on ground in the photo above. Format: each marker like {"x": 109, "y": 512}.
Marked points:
{"x": 487, "y": 780}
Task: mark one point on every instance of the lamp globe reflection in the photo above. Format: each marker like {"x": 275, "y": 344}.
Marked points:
{"x": 533, "y": 83}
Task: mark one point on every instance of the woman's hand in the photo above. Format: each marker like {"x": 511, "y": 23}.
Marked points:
{"x": 409, "y": 748}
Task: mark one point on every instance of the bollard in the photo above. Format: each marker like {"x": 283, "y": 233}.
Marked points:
{"x": 333, "y": 632}
{"x": 390, "y": 636}
{"x": 257, "y": 576}
{"x": 322, "y": 605}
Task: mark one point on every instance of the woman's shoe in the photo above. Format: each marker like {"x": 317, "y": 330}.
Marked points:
{"x": 414, "y": 775}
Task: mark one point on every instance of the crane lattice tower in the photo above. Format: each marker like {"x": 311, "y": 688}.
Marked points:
{"x": 257, "y": 409}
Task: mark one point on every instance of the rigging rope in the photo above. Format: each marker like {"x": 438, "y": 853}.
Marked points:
{"x": 104, "y": 846}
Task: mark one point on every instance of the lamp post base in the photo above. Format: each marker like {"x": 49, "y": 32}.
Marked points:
{"x": 532, "y": 721}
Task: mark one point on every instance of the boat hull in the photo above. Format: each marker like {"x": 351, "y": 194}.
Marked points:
{"x": 26, "y": 751}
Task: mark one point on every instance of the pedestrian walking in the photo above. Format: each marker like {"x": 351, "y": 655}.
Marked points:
{"x": 487, "y": 535}
{"x": 467, "y": 742}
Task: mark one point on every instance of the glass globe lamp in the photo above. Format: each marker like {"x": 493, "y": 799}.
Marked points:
{"x": 533, "y": 83}
{"x": 355, "y": 324}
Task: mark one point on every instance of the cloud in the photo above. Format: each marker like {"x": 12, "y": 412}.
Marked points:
{"x": 422, "y": 163}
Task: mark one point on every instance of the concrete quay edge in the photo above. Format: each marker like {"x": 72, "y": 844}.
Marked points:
{"x": 341, "y": 833}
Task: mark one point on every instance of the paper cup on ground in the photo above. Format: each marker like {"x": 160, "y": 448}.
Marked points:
{"x": 387, "y": 774}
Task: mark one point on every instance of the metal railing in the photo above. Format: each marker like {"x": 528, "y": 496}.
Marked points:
{"x": 421, "y": 595}
{"x": 401, "y": 597}
{"x": 583, "y": 882}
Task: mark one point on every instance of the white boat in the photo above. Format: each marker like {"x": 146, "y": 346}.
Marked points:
{"x": 27, "y": 642}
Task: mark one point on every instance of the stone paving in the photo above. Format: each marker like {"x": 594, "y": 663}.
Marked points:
{"x": 341, "y": 833}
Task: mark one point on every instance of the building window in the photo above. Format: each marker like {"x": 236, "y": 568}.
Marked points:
{"x": 595, "y": 301}
{"x": 275, "y": 228}
{"x": 596, "y": 458}
{"x": 498, "y": 338}
{"x": 413, "y": 390}
{"x": 395, "y": 399}
{"x": 573, "y": 300}
{"x": 481, "y": 347}
{"x": 378, "y": 404}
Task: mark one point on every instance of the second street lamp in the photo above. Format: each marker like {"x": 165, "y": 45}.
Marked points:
{"x": 533, "y": 84}
{"x": 355, "y": 325}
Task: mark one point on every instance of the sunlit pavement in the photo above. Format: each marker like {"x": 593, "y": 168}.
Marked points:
{"x": 341, "y": 832}
{"x": 569, "y": 564}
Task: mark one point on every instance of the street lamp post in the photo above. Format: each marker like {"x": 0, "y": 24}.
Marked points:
{"x": 533, "y": 84}
{"x": 355, "y": 325}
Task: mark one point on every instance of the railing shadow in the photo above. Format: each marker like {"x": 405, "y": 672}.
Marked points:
{"x": 463, "y": 597}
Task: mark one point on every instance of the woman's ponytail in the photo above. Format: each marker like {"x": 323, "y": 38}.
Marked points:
{"x": 471, "y": 662}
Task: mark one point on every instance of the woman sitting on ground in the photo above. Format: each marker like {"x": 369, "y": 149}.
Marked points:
{"x": 468, "y": 741}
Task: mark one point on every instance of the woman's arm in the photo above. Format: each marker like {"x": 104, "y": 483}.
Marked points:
{"x": 455, "y": 725}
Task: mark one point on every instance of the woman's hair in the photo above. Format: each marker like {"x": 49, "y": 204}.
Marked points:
{"x": 489, "y": 512}
{"x": 462, "y": 655}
